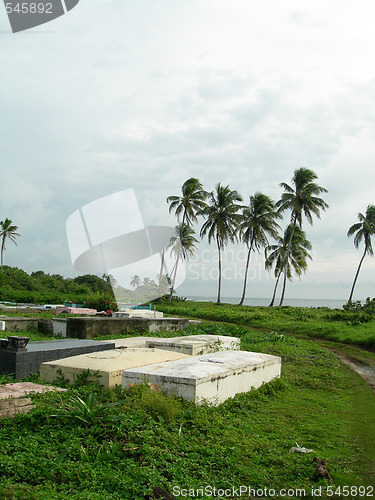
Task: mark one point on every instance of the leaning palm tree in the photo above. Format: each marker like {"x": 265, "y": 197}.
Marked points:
{"x": 363, "y": 230}
{"x": 223, "y": 220}
{"x": 297, "y": 258}
{"x": 192, "y": 201}
{"x": 182, "y": 246}
{"x": 301, "y": 199}
{"x": 7, "y": 231}
{"x": 258, "y": 222}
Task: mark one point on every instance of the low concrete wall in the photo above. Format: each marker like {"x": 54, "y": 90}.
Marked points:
{"x": 45, "y": 326}
{"x": 13, "y": 323}
{"x": 23, "y": 362}
{"x": 87, "y": 328}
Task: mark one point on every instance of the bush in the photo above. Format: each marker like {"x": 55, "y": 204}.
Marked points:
{"x": 101, "y": 302}
{"x": 160, "y": 406}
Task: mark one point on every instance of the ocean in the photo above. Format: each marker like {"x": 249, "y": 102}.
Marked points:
{"x": 331, "y": 303}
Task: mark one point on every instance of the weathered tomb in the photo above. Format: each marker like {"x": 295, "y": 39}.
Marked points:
{"x": 89, "y": 327}
{"x": 24, "y": 361}
{"x": 211, "y": 378}
{"x": 105, "y": 367}
{"x": 195, "y": 345}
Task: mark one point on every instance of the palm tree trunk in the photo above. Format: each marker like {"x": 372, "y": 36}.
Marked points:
{"x": 161, "y": 275}
{"x": 219, "y": 288}
{"x": 274, "y": 292}
{"x": 356, "y": 274}
{"x": 2, "y": 252}
{"x": 286, "y": 261}
{"x": 174, "y": 277}
{"x": 246, "y": 271}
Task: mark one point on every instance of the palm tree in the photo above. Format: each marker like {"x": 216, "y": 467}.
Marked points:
{"x": 298, "y": 254}
{"x": 7, "y": 231}
{"x": 135, "y": 281}
{"x": 223, "y": 220}
{"x": 182, "y": 245}
{"x": 192, "y": 201}
{"x": 258, "y": 222}
{"x": 301, "y": 199}
{"x": 363, "y": 230}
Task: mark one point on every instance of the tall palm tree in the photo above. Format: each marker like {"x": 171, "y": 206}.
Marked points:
{"x": 276, "y": 254}
{"x": 135, "y": 281}
{"x": 192, "y": 201}
{"x": 223, "y": 220}
{"x": 363, "y": 230}
{"x": 258, "y": 222}
{"x": 182, "y": 245}
{"x": 302, "y": 199}
{"x": 161, "y": 275}
{"x": 7, "y": 231}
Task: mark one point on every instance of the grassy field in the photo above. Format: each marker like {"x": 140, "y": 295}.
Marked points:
{"x": 59, "y": 451}
{"x": 355, "y": 327}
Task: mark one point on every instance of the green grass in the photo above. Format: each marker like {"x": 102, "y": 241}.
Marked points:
{"x": 167, "y": 442}
{"x": 336, "y": 325}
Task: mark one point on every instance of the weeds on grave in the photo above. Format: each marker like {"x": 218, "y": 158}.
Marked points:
{"x": 60, "y": 380}
{"x": 87, "y": 377}
{"x": 6, "y": 379}
{"x": 88, "y": 412}
{"x": 160, "y": 406}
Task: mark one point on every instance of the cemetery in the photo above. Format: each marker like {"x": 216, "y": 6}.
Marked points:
{"x": 138, "y": 403}
{"x": 198, "y": 368}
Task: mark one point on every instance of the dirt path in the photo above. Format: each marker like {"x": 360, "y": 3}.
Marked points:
{"x": 363, "y": 365}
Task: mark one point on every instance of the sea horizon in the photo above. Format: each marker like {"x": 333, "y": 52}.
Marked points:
{"x": 330, "y": 303}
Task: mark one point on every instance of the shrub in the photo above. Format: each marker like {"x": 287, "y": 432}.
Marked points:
{"x": 160, "y": 406}
{"x": 101, "y": 302}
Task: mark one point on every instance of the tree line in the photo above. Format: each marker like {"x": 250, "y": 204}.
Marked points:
{"x": 228, "y": 220}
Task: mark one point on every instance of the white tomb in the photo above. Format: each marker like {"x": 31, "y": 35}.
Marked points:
{"x": 195, "y": 345}
{"x": 211, "y": 378}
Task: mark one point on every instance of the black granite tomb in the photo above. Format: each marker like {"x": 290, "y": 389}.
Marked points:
{"x": 23, "y": 361}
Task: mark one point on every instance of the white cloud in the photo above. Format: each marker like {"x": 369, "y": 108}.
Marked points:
{"x": 119, "y": 94}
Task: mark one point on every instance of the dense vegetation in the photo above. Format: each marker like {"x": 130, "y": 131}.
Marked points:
{"x": 354, "y": 324}
{"x": 66, "y": 449}
{"x": 38, "y": 287}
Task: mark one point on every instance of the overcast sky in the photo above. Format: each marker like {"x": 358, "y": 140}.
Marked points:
{"x": 144, "y": 94}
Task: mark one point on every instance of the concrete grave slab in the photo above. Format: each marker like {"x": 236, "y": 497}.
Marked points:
{"x": 13, "y": 398}
{"x": 13, "y": 323}
{"x": 133, "y": 342}
{"x": 89, "y": 327}
{"x": 23, "y": 362}
{"x": 21, "y": 389}
{"x": 211, "y": 377}
{"x": 108, "y": 364}
{"x": 138, "y": 313}
{"x": 195, "y": 345}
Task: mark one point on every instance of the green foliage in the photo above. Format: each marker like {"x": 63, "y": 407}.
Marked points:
{"x": 87, "y": 377}
{"x": 104, "y": 451}
{"x": 101, "y": 302}
{"x": 350, "y": 327}
{"x": 60, "y": 380}
{"x": 6, "y": 379}
{"x": 88, "y": 412}
{"x": 38, "y": 287}
{"x": 161, "y": 407}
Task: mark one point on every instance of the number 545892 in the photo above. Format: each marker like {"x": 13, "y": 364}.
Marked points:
{"x": 29, "y": 8}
